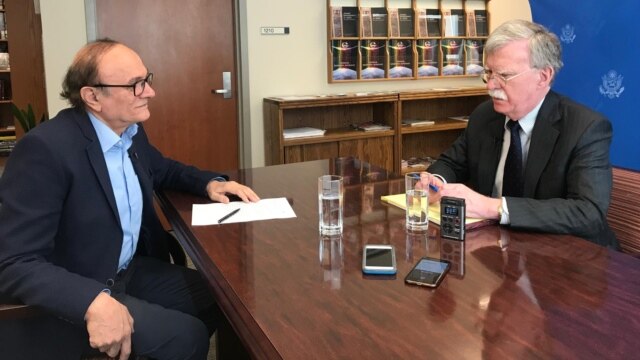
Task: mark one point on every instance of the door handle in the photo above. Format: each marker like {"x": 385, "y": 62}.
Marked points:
{"x": 226, "y": 86}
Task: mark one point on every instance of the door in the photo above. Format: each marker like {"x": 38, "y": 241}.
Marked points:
{"x": 187, "y": 45}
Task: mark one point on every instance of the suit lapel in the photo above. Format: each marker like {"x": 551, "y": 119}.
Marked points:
{"x": 543, "y": 140}
{"x": 490, "y": 157}
{"x": 96, "y": 158}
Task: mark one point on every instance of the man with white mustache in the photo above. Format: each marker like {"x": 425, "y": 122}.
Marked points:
{"x": 559, "y": 180}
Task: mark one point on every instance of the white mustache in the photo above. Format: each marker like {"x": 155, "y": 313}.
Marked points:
{"x": 498, "y": 94}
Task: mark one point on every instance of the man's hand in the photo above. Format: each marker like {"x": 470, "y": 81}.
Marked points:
{"x": 110, "y": 326}
{"x": 427, "y": 179}
{"x": 217, "y": 191}
{"x": 478, "y": 206}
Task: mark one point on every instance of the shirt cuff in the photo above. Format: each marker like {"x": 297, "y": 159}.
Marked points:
{"x": 218, "y": 178}
{"x": 504, "y": 218}
{"x": 444, "y": 181}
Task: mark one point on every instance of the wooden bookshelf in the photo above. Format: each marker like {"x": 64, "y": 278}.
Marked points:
{"x": 385, "y": 148}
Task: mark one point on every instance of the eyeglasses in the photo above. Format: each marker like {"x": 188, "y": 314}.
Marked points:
{"x": 138, "y": 86}
{"x": 487, "y": 75}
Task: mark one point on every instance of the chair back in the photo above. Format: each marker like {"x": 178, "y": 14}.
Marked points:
{"x": 624, "y": 210}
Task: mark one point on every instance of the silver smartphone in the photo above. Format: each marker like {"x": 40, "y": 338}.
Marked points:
{"x": 379, "y": 259}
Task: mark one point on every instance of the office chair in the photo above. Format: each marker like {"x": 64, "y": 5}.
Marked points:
{"x": 624, "y": 209}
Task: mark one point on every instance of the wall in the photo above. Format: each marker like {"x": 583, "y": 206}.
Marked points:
{"x": 600, "y": 64}
{"x": 297, "y": 63}
{"x": 271, "y": 65}
{"x": 63, "y": 34}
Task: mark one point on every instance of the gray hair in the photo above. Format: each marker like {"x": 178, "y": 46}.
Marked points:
{"x": 544, "y": 46}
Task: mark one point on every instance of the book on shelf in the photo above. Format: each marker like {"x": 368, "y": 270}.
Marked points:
{"x": 294, "y": 133}
{"x": 481, "y": 22}
{"x": 405, "y": 17}
{"x": 453, "y": 52}
{"x": 400, "y": 58}
{"x": 428, "y": 57}
{"x": 371, "y": 126}
{"x": 400, "y": 201}
{"x": 429, "y": 22}
{"x": 401, "y": 22}
{"x": 379, "y": 21}
{"x": 344, "y": 59}
{"x": 460, "y": 118}
{"x": 374, "y": 59}
{"x": 344, "y": 21}
{"x": 7, "y": 145}
{"x": 473, "y": 49}
{"x": 417, "y": 122}
{"x": 454, "y": 23}
{"x": 416, "y": 164}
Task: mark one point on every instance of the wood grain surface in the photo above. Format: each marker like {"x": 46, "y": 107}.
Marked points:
{"x": 293, "y": 294}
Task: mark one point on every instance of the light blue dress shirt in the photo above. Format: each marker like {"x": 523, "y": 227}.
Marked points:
{"x": 126, "y": 187}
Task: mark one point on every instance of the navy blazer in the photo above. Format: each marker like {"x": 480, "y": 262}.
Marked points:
{"x": 60, "y": 234}
{"x": 568, "y": 176}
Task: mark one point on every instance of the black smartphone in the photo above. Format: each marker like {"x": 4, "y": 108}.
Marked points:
{"x": 428, "y": 272}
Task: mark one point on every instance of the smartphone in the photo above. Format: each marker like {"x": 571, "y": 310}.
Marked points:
{"x": 379, "y": 259}
{"x": 428, "y": 272}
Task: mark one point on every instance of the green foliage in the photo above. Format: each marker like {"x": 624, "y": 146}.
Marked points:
{"x": 26, "y": 118}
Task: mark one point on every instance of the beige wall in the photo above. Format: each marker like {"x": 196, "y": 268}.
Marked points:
{"x": 272, "y": 65}
{"x": 297, "y": 63}
{"x": 63, "y": 33}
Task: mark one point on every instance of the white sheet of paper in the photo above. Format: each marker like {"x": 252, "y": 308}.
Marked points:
{"x": 209, "y": 214}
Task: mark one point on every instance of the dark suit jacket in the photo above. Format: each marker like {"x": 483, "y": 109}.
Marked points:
{"x": 568, "y": 177}
{"x": 60, "y": 234}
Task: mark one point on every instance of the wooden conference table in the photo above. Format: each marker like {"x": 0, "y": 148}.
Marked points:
{"x": 290, "y": 293}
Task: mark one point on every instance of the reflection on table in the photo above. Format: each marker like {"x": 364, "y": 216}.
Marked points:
{"x": 290, "y": 293}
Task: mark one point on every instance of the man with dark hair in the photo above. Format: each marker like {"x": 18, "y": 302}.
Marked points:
{"x": 79, "y": 236}
{"x": 530, "y": 158}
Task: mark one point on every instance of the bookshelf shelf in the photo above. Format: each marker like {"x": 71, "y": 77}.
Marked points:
{"x": 6, "y": 115}
{"x": 384, "y": 148}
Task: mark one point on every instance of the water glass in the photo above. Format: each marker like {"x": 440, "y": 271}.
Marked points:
{"x": 417, "y": 214}
{"x": 330, "y": 204}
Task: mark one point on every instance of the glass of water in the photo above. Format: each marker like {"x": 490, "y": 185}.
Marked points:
{"x": 417, "y": 215}
{"x": 330, "y": 204}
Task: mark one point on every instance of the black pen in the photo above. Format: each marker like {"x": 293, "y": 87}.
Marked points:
{"x": 228, "y": 215}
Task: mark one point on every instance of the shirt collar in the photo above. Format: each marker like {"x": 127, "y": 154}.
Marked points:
{"x": 527, "y": 121}
{"x": 107, "y": 137}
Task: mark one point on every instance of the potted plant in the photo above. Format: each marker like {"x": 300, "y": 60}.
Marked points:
{"x": 26, "y": 118}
